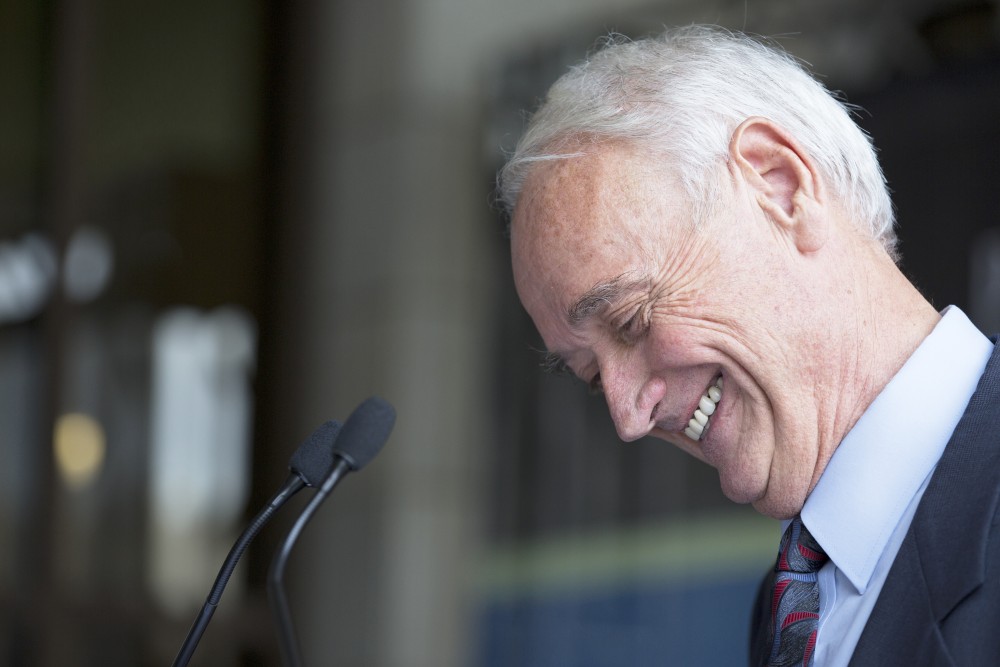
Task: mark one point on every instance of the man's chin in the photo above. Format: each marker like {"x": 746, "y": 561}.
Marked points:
{"x": 740, "y": 491}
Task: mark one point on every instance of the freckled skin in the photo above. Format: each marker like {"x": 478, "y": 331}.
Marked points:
{"x": 737, "y": 295}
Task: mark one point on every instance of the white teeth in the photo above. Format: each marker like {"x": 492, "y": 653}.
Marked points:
{"x": 706, "y": 408}
{"x": 707, "y": 405}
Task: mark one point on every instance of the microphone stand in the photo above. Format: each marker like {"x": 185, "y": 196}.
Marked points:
{"x": 290, "y": 653}
{"x": 292, "y": 486}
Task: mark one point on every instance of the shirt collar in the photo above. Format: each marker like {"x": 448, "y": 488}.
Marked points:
{"x": 895, "y": 445}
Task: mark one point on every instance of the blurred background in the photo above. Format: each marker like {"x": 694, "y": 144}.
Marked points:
{"x": 224, "y": 222}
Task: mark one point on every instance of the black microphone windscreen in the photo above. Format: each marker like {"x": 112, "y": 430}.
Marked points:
{"x": 313, "y": 460}
{"x": 365, "y": 431}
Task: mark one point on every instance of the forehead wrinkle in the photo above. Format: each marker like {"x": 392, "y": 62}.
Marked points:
{"x": 599, "y": 298}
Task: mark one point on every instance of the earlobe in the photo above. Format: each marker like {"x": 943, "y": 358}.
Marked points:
{"x": 783, "y": 179}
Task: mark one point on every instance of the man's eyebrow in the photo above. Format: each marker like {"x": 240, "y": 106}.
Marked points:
{"x": 600, "y": 297}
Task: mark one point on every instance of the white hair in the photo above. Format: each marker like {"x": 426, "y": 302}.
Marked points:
{"x": 682, "y": 94}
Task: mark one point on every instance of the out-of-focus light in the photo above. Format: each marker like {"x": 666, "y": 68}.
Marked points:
{"x": 28, "y": 270}
{"x": 79, "y": 449}
{"x": 201, "y": 414}
{"x": 88, "y": 264}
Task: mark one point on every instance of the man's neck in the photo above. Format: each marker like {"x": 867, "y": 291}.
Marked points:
{"x": 891, "y": 321}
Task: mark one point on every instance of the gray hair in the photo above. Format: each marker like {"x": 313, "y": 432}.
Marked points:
{"x": 681, "y": 95}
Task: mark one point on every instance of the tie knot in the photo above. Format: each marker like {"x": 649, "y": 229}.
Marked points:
{"x": 799, "y": 551}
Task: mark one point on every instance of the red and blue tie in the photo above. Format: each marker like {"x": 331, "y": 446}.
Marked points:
{"x": 795, "y": 598}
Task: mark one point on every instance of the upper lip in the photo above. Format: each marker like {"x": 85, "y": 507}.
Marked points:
{"x": 674, "y": 423}
{"x": 663, "y": 420}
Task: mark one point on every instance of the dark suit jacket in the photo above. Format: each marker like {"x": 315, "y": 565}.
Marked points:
{"x": 941, "y": 601}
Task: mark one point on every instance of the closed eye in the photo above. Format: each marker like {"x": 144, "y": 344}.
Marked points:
{"x": 634, "y": 328}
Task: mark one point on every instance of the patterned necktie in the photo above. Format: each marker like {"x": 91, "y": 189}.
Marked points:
{"x": 795, "y": 599}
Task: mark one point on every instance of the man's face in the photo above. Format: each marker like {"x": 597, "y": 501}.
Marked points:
{"x": 655, "y": 312}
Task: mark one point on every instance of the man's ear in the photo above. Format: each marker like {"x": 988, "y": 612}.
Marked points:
{"x": 783, "y": 178}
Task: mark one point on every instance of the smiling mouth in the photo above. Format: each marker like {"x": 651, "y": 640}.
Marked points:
{"x": 702, "y": 417}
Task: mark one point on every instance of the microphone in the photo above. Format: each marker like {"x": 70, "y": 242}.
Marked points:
{"x": 362, "y": 437}
{"x": 310, "y": 465}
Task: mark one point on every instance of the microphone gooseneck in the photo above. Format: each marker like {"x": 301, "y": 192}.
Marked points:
{"x": 311, "y": 463}
{"x": 361, "y": 439}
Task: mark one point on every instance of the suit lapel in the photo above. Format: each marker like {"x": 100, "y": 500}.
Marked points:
{"x": 943, "y": 557}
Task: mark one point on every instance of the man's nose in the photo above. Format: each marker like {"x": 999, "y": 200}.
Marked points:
{"x": 622, "y": 391}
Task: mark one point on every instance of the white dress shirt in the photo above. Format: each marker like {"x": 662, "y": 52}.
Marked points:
{"x": 862, "y": 506}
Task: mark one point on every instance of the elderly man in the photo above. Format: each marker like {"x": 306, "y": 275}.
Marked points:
{"x": 701, "y": 232}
